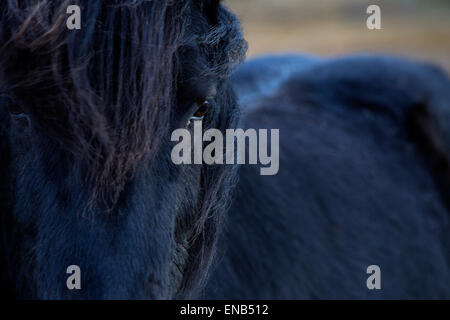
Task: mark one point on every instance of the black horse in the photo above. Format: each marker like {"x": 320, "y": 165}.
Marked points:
{"x": 86, "y": 176}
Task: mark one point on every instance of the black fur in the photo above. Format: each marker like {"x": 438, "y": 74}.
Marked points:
{"x": 363, "y": 180}
{"x": 86, "y": 175}
{"x": 210, "y": 9}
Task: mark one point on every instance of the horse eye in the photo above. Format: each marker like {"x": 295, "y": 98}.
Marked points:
{"x": 201, "y": 112}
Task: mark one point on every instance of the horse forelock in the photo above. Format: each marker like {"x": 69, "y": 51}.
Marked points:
{"x": 105, "y": 92}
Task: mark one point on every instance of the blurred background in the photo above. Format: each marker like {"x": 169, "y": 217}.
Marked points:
{"x": 414, "y": 28}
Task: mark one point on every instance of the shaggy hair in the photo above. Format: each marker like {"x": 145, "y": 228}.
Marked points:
{"x": 88, "y": 88}
{"x": 110, "y": 93}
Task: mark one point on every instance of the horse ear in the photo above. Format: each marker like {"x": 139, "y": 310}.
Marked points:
{"x": 209, "y": 8}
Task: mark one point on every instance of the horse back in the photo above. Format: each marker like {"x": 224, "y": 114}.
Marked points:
{"x": 363, "y": 181}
